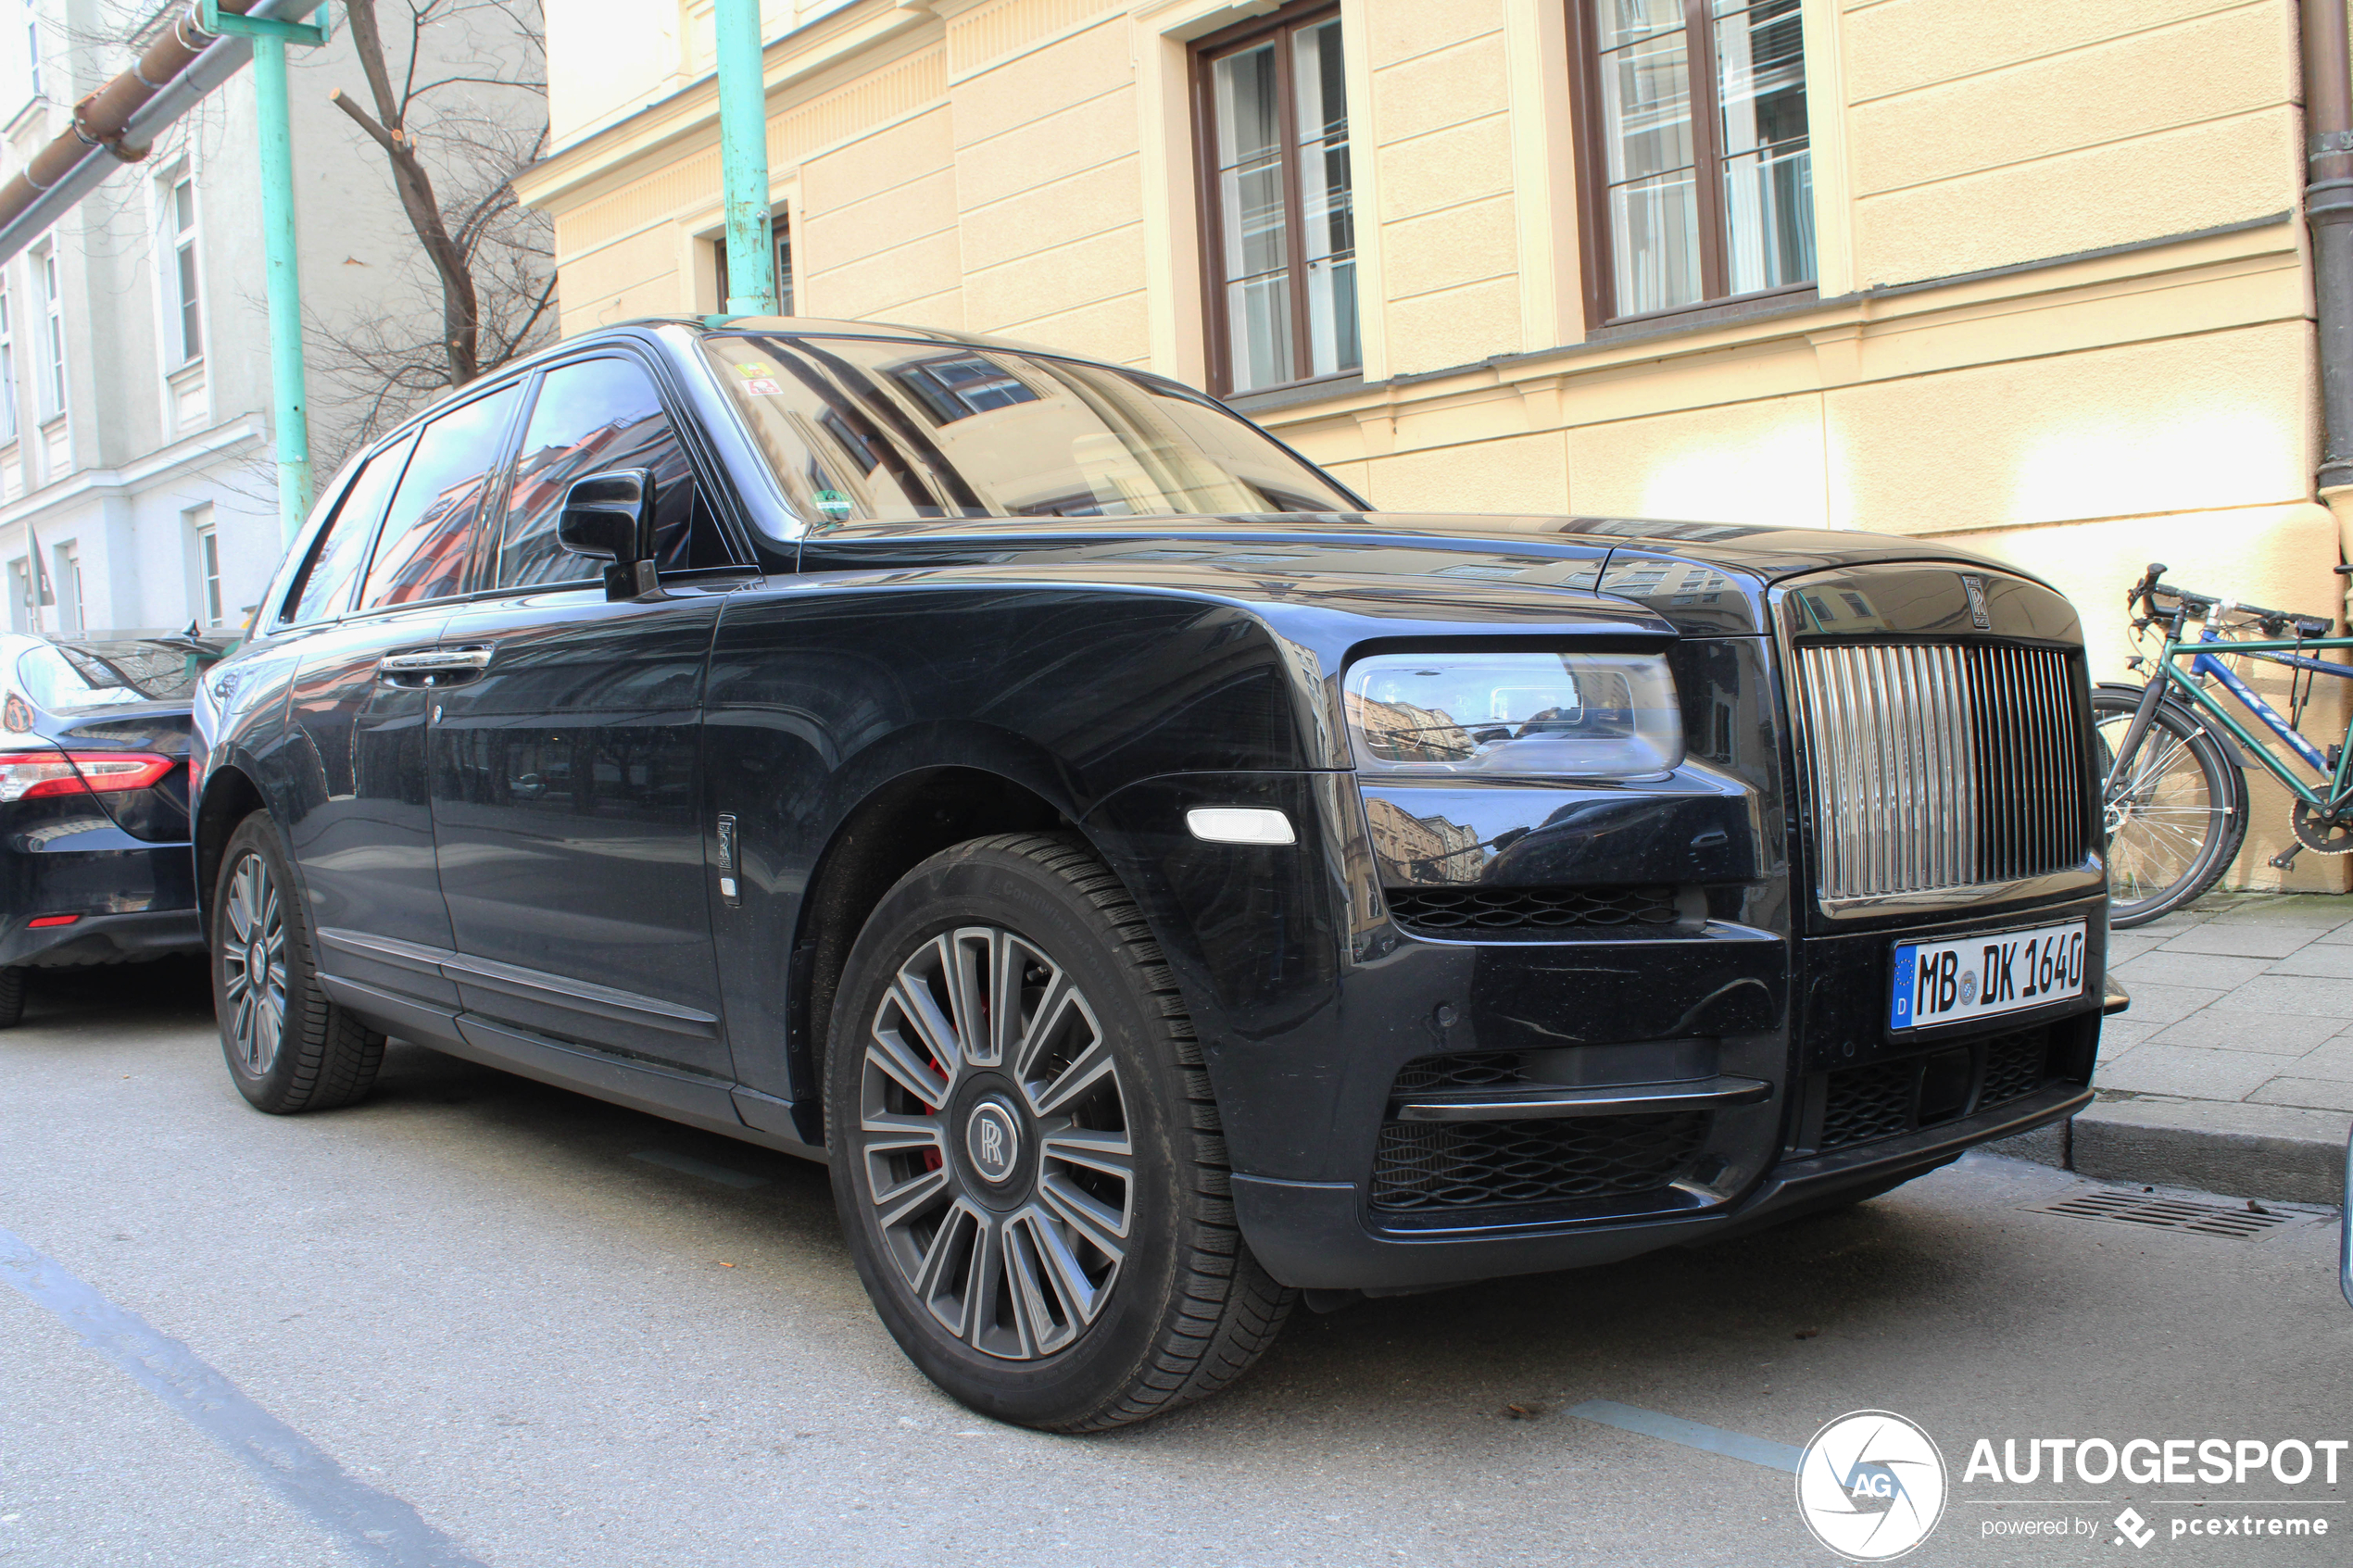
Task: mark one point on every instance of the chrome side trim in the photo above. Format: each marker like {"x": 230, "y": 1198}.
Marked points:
{"x": 1613, "y": 1099}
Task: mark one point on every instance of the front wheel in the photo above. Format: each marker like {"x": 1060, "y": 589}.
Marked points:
{"x": 1026, "y": 1151}
{"x": 2176, "y": 820}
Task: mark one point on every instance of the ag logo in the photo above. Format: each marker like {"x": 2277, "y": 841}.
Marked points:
{"x": 1871, "y": 1486}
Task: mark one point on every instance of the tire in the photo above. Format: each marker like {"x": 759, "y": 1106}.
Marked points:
{"x": 2177, "y": 830}
{"x": 289, "y": 1048}
{"x": 11, "y": 997}
{"x": 1125, "y": 1296}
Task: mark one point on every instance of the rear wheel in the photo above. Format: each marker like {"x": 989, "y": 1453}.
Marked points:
{"x": 11, "y": 997}
{"x": 1025, "y": 1150}
{"x": 289, "y": 1047}
{"x": 2175, "y": 822}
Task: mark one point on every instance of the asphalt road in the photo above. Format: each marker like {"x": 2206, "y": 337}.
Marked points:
{"x": 535, "y": 1329}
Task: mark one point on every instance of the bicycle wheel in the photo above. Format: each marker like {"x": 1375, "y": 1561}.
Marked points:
{"x": 2176, "y": 823}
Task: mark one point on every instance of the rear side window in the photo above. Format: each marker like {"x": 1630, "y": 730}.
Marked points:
{"x": 591, "y": 417}
{"x": 342, "y": 548}
{"x": 428, "y": 534}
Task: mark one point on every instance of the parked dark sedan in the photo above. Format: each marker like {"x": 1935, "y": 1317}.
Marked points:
{"x": 94, "y": 864}
{"x": 1158, "y": 884}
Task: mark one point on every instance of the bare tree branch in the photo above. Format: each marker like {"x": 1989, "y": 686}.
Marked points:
{"x": 454, "y": 106}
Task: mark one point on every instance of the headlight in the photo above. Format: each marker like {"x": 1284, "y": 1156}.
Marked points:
{"x": 1561, "y": 715}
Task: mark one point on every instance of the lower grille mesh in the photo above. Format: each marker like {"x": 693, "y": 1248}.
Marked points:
{"x": 1461, "y": 1070}
{"x": 1884, "y": 1101}
{"x": 1471, "y": 910}
{"x": 1477, "y": 1164}
{"x": 2014, "y": 1065}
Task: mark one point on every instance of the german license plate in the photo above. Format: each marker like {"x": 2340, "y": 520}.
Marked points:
{"x": 1979, "y": 976}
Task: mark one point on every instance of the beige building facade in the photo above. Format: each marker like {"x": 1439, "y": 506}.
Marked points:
{"x": 2030, "y": 278}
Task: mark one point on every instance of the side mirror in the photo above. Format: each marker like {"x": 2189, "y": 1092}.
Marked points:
{"x": 609, "y": 517}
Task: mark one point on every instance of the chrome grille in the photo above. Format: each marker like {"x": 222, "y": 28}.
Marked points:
{"x": 1938, "y": 765}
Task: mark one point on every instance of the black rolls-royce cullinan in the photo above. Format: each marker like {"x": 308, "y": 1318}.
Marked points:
{"x": 1159, "y": 885}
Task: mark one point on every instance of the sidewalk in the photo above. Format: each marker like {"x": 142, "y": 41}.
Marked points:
{"x": 2232, "y": 1071}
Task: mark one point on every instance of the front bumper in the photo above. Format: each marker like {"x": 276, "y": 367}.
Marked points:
{"x": 1314, "y": 1235}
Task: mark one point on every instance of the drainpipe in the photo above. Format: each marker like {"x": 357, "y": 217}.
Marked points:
{"x": 2328, "y": 208}
{"x": 282, "y": 274}
{"x": 743, "y": 157}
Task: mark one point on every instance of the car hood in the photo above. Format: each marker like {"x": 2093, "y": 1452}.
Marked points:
{"x": 1704, "y": 577}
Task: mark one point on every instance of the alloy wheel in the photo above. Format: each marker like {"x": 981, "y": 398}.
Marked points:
{"x": 994, "y": 1134}
{"x": 253, "y": 964}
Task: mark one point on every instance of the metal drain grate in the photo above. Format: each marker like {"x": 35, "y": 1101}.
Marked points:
{"x": 2168, "y": 1213}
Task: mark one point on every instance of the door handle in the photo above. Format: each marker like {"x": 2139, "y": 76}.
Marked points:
{"x": 433, "y": 667}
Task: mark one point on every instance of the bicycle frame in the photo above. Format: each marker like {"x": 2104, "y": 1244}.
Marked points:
{"x": 2185, "y": 683}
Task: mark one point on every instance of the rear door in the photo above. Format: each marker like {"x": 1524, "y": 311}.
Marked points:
{"x": 364, "y": 840}
{"x": 566, "y": 790}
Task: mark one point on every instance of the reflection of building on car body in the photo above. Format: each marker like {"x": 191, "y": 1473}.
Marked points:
{"x": 1158, "y": 884}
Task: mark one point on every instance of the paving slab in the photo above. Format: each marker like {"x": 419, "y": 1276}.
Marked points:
{"x": 2247, "y": 940}
{"x": 2324, "y": 961}
{"x": 2334, "y": 1060}
{"x": 2296, "y": 993}
{"x": 2168, "y": 1004}
{"x": 2317, "y": 1094}
{"x": 2324, "y": 912}
{"x": 2119, "y": 1036}
{"x": 2227, "y": 1029}
{"x": 2213, "y": 971}
{"x": 2215, "y": 1077}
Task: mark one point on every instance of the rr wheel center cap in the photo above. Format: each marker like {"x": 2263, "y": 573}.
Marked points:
{"x": 993, "y": 1141}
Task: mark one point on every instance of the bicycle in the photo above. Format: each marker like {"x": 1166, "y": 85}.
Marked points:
{"x": 2175, "y": 810}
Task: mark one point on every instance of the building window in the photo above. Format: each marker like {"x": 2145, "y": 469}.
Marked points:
{"x": 32, "y": 46}
{"x": 1695, "y": 162}
{"x": 7, "y": 365}
{"x": 185, "y": 326}
{"x": 1271, "y": 108}
{"x": 71, "y": 604}
{"x": 206, "y": 539}
{"x": 53, "y": 334}
{"x": 21, "y": 608}
{"x": 780, "y": 228}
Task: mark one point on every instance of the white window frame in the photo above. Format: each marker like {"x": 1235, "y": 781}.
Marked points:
{"x": 9, "y": 413}
{"x": 180, "y": 268}
{"x": 33, "y": 61}
{"x": 209, "y": 600}
{"x": 52, "y": 327}
{"x": 75, "y": 617}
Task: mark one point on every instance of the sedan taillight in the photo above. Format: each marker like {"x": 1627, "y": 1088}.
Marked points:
{"x": 27, "y": 774}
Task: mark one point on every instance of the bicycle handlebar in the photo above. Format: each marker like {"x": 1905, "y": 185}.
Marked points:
{"x": 2206, "y": 606}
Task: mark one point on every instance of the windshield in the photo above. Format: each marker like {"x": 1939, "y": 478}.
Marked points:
{"x": 864, "y": 430}
{"x": 63, "y": 677}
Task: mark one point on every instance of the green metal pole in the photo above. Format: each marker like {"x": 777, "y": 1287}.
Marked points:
{"x": 743, "y": 158}
{"x": 283, "y": 283}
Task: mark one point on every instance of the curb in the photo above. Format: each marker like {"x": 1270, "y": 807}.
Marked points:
{"x": 2223, "y": 1147}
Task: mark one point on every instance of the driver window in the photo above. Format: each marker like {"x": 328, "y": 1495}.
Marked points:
{"x": 428, "y": 534}
{"x": 593, "y": 415}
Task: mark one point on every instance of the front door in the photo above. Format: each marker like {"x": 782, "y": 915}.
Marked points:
{"x": 364, "y": 843}
{"x": 566, "y": 789}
